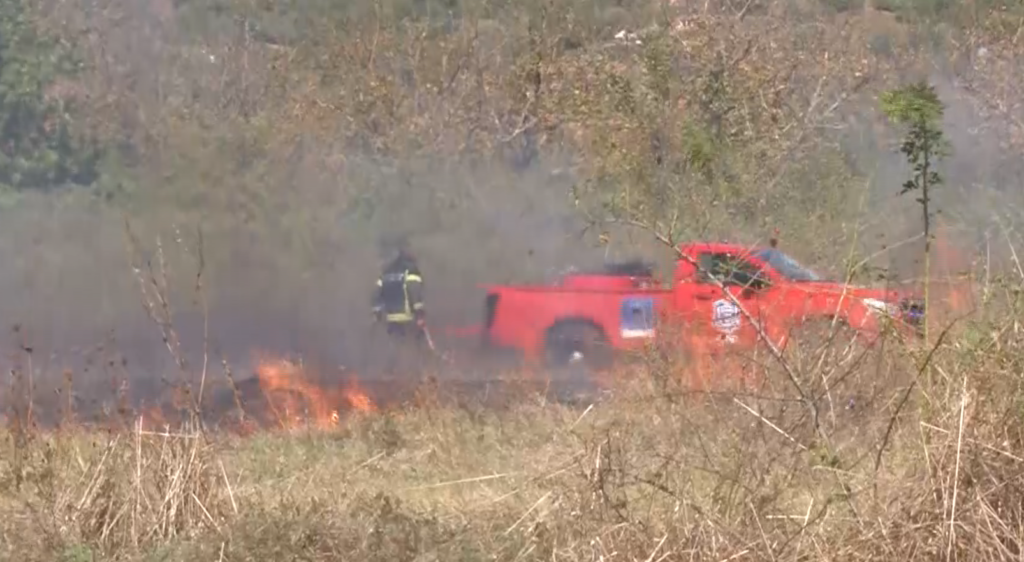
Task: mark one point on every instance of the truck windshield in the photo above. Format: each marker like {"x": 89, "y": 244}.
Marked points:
{"x": 787, "y": 266}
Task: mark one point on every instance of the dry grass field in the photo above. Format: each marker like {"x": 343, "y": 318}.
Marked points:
{"x": 916, "y": 453}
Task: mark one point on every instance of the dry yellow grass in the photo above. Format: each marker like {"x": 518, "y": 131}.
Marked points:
{"x": 652, "y": 472}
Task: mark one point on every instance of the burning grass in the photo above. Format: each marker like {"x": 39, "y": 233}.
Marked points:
{"x": 294, "y": 399}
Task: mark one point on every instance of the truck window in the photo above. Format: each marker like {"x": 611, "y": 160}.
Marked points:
{"x": 787, "y": 266}
{"x": 729, "y": 270}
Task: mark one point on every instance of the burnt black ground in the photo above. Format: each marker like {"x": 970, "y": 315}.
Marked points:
{"x": 475, "y": 390}
{"x": 476, "y": 381}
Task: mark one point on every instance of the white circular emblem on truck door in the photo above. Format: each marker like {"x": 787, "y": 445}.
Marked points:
{"x": 725, "y": 316}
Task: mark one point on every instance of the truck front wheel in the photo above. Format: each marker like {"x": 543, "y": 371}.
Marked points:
{"x": 577, "y": 342}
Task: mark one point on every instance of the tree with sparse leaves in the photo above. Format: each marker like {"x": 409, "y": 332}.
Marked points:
{"x": 917, "y": 107}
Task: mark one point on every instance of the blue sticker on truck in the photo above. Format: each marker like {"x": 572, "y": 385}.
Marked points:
{"x": 636, "y": 318}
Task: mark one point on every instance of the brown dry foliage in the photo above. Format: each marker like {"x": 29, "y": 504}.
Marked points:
{"x": 257, "y": 138}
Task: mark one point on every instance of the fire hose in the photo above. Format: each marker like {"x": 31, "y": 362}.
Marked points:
{"x": 378, "y": 316}
{"x": 430, "y": 343}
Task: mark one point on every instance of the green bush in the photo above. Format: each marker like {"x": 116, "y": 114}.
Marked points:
{"x": 38, "y": 151}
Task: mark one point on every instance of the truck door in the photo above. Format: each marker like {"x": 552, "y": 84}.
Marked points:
{"x": 743, "y": 280}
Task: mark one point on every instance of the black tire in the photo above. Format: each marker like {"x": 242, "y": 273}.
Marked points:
{"x": 573, "y": 342}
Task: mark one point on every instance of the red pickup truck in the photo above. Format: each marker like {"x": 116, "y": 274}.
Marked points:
{"x": 589, "y": 315}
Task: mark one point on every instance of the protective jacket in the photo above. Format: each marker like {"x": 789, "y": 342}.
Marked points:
{"x": 400, "y": 291}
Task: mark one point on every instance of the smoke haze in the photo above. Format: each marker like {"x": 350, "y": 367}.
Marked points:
{"x": 297, "y": 274}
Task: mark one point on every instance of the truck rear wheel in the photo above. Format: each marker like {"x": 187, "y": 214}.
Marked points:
{"x": 577, "y": 342}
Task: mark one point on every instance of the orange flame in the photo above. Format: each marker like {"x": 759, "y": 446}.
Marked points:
{"x": 358, "y": 401}
{"x": 294, "y": 398}
{"x": 952, "y": 288}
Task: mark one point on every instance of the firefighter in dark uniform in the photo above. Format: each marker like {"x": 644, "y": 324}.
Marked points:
{"x": 399, "y": 300}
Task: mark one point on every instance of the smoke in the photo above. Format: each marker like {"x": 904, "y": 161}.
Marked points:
{"x": 289, "y": 243}
{"x": 279, "y": 286}
{"x": 981, "y": 176}
{"x": 296, "y": 273}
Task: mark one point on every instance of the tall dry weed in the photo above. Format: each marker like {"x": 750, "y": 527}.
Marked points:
{"x": 119, "y": 492}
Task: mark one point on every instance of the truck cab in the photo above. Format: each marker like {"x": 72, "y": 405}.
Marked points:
{"x": 776, "y": 294}
{"x": 721, "y": 295}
